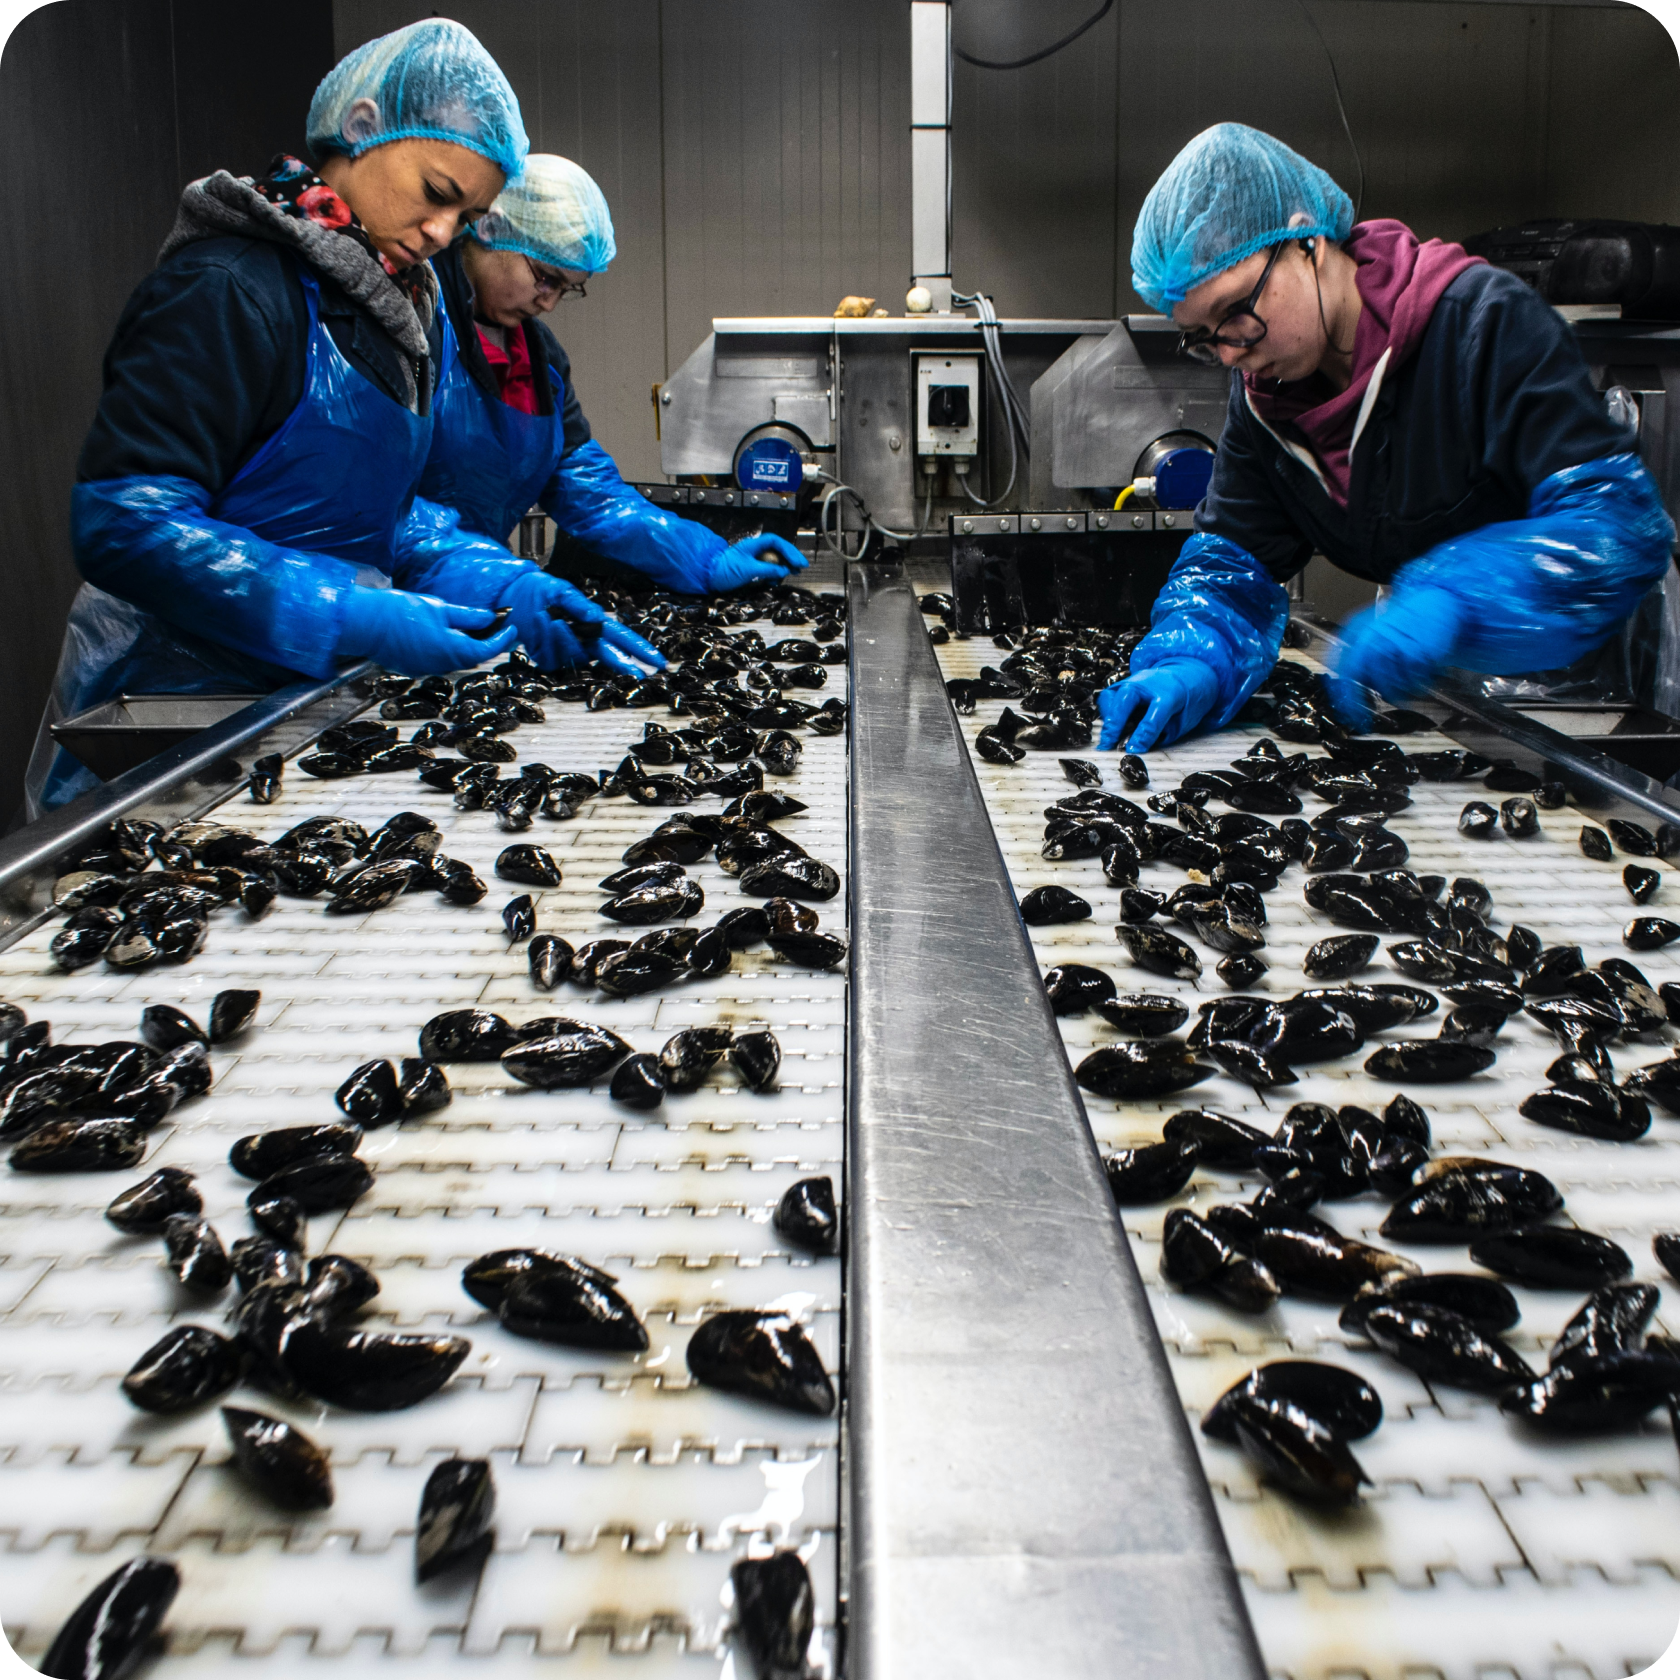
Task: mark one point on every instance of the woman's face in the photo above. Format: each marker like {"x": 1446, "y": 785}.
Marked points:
{"x": 1289, "y": 305}
{"x": 509, "y": 288}
{"x": 413, "y": 196}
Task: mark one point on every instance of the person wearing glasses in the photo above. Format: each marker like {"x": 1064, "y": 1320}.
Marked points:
{"x": 1421, "y": 419}
{"x": 510, "y": 432}
{"x": 245, "y": 507}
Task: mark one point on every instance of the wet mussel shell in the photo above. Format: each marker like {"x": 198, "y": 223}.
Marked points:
{"x": 163, "y": 1027}
{"x": 807, "y": 1216}
{"x": 370, "y": 1095}
{"x": 318, "y": 1183}
{"x": 232, "y": 1013}
{"x": 367, "y": 1371}
{"x": 467, "y": 1035}
{"x": 638, "y": 1082}
{"x": 1613, "y": 1320}
{"x": 1458, "y": 1203}
{"x": 1650, "y": 933}
{"x": 1075, "y": 987}
{"x": 1314, "y": 1261}
{"x": 1552, "y": 1257}
{"x": 549, "y": 960}
{"x": 1145, "y": 1014}
{"x": 1443, "y": 1347}
{"x": 279, "y": 1460}
{"x": 263, "y": 1154}
{"x": 1046, "y": 906}
{"x": 1594, "y": 1110}
{"x": 1294, "y": 1450}
{"x": 422, "y": 1087}
{"x": 1343, "y": 1402}
{"x": 808, "y": 950}
{"x": 570, "y": 1308}
{"x": 775, "y": 1613}
{"x": 142, "y": 1208}
{"x": 1152, "y": 1172}
{"x": 1339, "y": 956}
{"x": 488, "y": 1278}
{"x": 456, "y": 1509}
{"x": 186, "y": 1367}
{"x": 1487, "y": 1305}
{"x": 565, "y": 1059}
{"x": 1142, "y": 1069}
{"x": 1613, "y": 1391}
{"x": 113, "y": 1629}
{"x": 94, "y": 1144}
{"x": 530, "y": 866}
{"x": 757, "y": 1058}
{"x": 1220, "y": 1142}
{"x": 763, "y": 1355}
{"x": 1429, "y": 1061}
{"x": 1159, "y": 952}
{"x": 195, "y": 1253}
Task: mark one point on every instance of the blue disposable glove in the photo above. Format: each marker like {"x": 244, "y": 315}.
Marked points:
{"x": 1172, "y": 697}
{"x": 1396, "y": 648}
{"x": 554, "y": 643}
{"x": 418, "y": 635}
{"x": 758, "y": 562}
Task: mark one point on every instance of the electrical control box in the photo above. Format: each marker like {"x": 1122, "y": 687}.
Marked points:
{"x": 947, "y": 404}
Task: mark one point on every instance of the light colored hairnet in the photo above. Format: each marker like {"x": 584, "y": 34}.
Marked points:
{"x": 554, "y": 213}
{"x": 430, "y": 81}
{"x": 1231, "y": 192}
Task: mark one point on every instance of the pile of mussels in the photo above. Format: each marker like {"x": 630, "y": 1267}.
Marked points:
{"x": 1295, "y": 1418}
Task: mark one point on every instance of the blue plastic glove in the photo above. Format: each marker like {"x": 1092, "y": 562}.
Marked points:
{"x": 1172, "y": 698}
{"x": 758, "y": 562}
{"x": 1396, "y": 648}
{"x": 418, "y": 635}
{"x": 535, "y": 598}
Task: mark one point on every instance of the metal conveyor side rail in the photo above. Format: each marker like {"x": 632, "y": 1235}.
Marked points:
{"x": 1024, "y": 1496}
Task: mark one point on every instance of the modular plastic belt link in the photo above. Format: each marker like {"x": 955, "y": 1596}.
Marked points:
{"x": 624, "y": 1490}
{"x": 1480, "y": 1551}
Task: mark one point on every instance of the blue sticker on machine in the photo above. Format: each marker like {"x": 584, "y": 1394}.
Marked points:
{"x": 770, "y": 463}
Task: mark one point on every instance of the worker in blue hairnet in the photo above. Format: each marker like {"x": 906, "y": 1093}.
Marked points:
{"x": 1420, "y": 418}
{"x": 245, "y": 507}
{"x": 509, "y": 431}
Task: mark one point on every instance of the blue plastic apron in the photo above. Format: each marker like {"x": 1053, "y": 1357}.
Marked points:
{"x": 488, "y": 461}
{"x": 337, "y": 478}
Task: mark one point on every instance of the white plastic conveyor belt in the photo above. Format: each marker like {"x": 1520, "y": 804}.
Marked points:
{"x": 625, "y": 1491}
{"x": 1480, "y": 1551}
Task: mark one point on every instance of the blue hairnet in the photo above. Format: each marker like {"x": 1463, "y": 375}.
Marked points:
{"x": 430, "y": 81}
{"x": 1229, "y": 193}
{"x": 555, "y": 213}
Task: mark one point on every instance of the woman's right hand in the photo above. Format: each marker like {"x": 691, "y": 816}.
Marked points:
{"x": 418, "y": 635}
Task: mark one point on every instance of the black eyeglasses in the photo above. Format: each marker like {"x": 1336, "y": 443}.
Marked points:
{"x": 1241, "y": 328}
{"x": 556, "y": 283}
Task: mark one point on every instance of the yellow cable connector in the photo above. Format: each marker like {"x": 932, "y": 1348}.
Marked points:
{"x": 1119, "y": 501}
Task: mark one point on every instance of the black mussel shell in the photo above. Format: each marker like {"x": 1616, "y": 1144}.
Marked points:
{"x": 1305, "y": 1030}
{"x": 652, "y": 903}
{"x": 163, "y": 1027}
{"x": 1251, "y": 1066}
{"x": 1649, "y": 933}
{"x": 1519, "y": 818}
{"x": 142, "y": 1208}
{"x": 1344, "y": 1403}
{"x": 1443, "y": 1347}
{"x": 1138, "y": 904}
{"x": 88, "y": 1145}
{"x": 1134, "y": 773}
{"x": 637, "y": 1082}
{"x": 1407, "y": 1119}
{"x": 1593, "y": 1110}
{"x": 808, "y": 950}
{"x": 1613, "y": 1320}
{"x": 1044, "y": 906}
{"x": 1339, "y": 956}
{"x": 466, "y": 1035}
{"x": 1191, "y": 1250}
{"x": 1428, "y": 1061}
{"x": 764, "y": 1355}
{"x": 1297, "y": 1452}
{"x": 336, "y": 1285}
{"x": 488, "y": 1278}
{"x": 572, "y": 1309}
{"x": 1552, "y": 1257}
{"x": 456, "y": 1508}
{"x": 757, "y": 1058}
{"x": 1487, "y": 994}
{"x": 1489, "y": 1307}
{"x": 1550, "y": 973}
{"x": 805, "y": 878}
{"x": 1478, "y": 820}
{"x": 549, "y": 959}
{"x": 283, "y": 1218}
{"x": 1120, "y": 864}
{"x": 1160, "y": 952}
{"x": 808, "y": 1217}
{"x": 319, "y": 1183}
{"x": 775, "y": 1613}
{"x": 1474, "y": 1023}
{"x": 1240, "y": 970}
{"x": 368, "y": 1096}
{"x": 1590, "y": 1396}
{"x": 530, "y": 866}
{"x": 1151, "y": 1173}
{"x": 1220, "y": 1142}
{"x": 422, "y": 1087}
{"x": 1464, "y": 1204}
{"x": 366, "y": 1371}
{"x": 232, "y": 1013}
{"x": 1314, "y": 1261}
{"x": 1081, "y": 772}
{"x": 185, "y": 1368}
{"x": 1595, "y": 843}
{"x": 1075, "y": 987}
{"x": 265, "y": 1153}
{"x": 112, "y": 1630}
{"x": 710, "y": 955}
{"x": 631, "y": 970}
{"x": 260, "y": 1260}
{"x": 1145, "y": 1014}
{"x": 280, "y": 1461}
{"x": 195, "y": 1252}
{"x": 1666, "y": 1246}
{"x": 1146, "y": 1068}
{"x": 1633, "y": 838}
{"x": 688, "y": 1056}
{"x": 1424, "y": 960}
{"x": 565, "y": 1059}
{"x": 519, "y": 918}
{"x": 1641, "y": 883}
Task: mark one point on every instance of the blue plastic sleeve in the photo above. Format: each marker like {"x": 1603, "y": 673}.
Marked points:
{"x": 590, "y": 502}
{"x": 1223, "y": 609}
{"x": 153, "y": 542}
{"x": 434, "y": 556}
{"x": 1538, "y": 593}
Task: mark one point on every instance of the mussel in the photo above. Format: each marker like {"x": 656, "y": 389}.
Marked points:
{"x": 530, "y": 866}
{"x": 456, "y": 1508}
{"x": 1428, "y": 1061}
{"x": 369, "y": 1096}
{"x": 142, "y": 1209}
{"x": 757, "y": 1057}
{"x": 112, "y": 1630}
{"x": 764, "y": 1355}
{"x": 775, "y": 1613}
{"x": 1150, "y": 1173}
{"x": 1441, "y": 1346}
{"x": 572, "y": 1308}
{"x": 280, "y": 1461}
{"x": 1075, "y": 987}
{"x": 186, "y": 1367}
{"x": 565, "y": 1059}
{"x": 1552, "y": 1257}
{"x": 1045, "y": 906}
{"x": 367, "y": 1371}
{"x": 808, "y": 1217}
{"x": 1142, "y": 1069}
{"x": 1159, "y": 952}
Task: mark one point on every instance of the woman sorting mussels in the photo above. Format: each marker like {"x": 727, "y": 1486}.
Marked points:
{"x": 245, "y": 509}
{"x": 1420, "y": 418}
{"x": 509, "y": 429}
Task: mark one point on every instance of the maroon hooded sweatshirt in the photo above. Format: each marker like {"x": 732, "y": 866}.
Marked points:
{"x": 1400, "y": 281}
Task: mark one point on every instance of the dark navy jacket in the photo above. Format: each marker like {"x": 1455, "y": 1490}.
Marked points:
{"x": 1495, "y": 399}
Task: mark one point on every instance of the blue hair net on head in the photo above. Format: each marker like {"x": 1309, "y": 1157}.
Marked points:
{"x": 1231, "y": 192}
{"x": 430, "y": 81}
{"x": 554, "y": 213}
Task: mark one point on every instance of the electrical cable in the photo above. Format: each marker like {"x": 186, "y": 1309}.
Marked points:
{"x": 1014, "y": 412}
{"x": 1336, "y": 83}
{"x": 1034, "y": 58}
{"x": 1120, "y": 500}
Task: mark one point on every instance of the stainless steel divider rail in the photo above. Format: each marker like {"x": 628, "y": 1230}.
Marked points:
{"x": 1024, "y": 1495}
{"x": 175, "y": 785}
